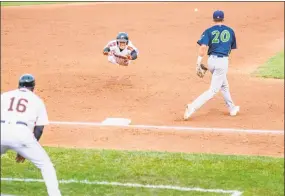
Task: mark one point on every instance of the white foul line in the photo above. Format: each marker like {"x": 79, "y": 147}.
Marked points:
{"x": 181, "y": 128}
{"x": 169, "y": 187}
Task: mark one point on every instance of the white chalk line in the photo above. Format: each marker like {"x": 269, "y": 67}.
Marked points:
{"x": 181, "y": 128}
{"x": 6, "y": 195}
{"x": 68, "y": 3}
{"x": 134, "y": 185}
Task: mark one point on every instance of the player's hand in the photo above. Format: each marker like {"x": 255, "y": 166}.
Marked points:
{"x": 198, "y": 68}
{"x": 20, "y": 159}
{"x": 129, "y": 57}
{"x": 201, "y": 70}
{"x": 106, "y": 53}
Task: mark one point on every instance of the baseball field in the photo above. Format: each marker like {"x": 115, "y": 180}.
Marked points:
{"x": 158, "y": 153}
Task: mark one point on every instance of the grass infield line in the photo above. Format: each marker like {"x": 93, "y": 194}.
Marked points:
{"x": 183, "y": 128}
{"x": 197, "y": 189}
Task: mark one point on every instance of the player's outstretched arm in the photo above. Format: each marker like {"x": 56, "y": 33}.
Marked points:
{"x": 201, "y": 68}
{"x": 201, "y": 53}
{"x": 106, "y": 51}
{"x": 203, "y": 42}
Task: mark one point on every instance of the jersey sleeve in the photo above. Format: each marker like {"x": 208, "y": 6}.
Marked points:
{"x": 234, "y": 43}
{"x": 204, "y": 39}
{"x": 131, "y": 47}
{"x": 42, "y": 118}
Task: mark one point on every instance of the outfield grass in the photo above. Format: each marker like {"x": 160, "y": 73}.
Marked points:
{"x": 273, "y": 68}
{"x": 20, "y": 3}
{"x": 251, "y": 175}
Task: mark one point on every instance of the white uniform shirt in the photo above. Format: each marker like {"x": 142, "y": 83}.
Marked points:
{"x": 115, "y": 50}
{"x": 23, "y": 105}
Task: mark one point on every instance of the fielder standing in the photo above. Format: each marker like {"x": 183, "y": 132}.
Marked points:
{"x": 221, "y": 40}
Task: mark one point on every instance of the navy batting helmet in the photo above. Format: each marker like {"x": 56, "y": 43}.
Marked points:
{"x": 27, "y": 81}
{"x": 122, "y": 37}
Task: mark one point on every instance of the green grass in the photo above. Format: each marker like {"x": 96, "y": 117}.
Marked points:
{"x": 273, "y": 68}
{"x": 251, "y": 175}
{"x": 20, "y": 3}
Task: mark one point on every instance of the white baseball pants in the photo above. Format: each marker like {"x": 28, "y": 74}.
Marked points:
{"x": 219, "y": 68}
{"x": 20, "y": 139}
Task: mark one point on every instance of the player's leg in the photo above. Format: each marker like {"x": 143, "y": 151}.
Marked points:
{"x": 233, "y": 109}
{"x": 20, "y": 139}
{"x": 8, "y": 137}
{"x": 226, "y": 94}
{"x": 218, "y": 73}
{"x": 33, "y": 151}
{"x": 227, "y": 97}
{"x": 215, "y": 86}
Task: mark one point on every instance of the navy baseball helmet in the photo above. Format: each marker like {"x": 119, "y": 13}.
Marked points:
{"x": 122, "y": 37}
{"x": 218, "y": 15}
{"x": 27, "y": 81}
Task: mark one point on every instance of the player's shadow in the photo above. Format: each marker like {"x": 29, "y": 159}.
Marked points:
{"x": 119, "y": 81}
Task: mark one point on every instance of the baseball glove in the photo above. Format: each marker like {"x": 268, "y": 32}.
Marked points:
{"x": 201, "y": 70}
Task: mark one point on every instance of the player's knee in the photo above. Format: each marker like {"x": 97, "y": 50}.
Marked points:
{"x": 225, "y": 87}
{"x": 213, "y": 92}
{"x": 46, "y": 163}
{"x": 47, "y": 166}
